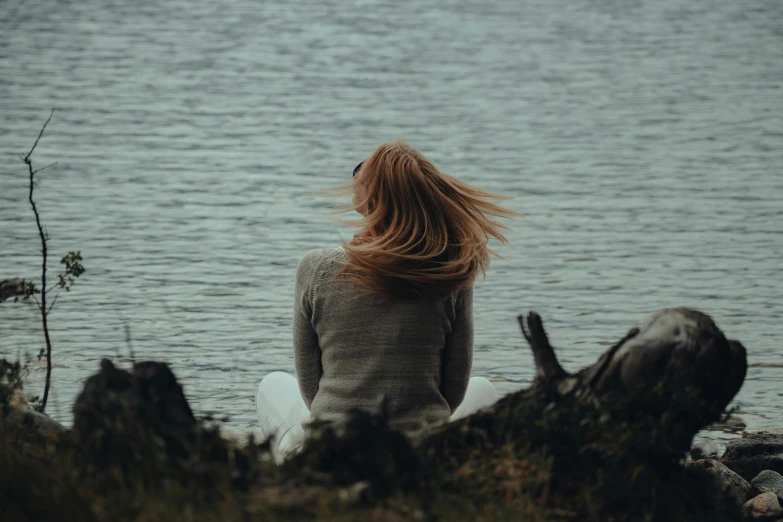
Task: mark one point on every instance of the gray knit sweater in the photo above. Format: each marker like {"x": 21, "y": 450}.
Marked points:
{"x": 350, "y": 349}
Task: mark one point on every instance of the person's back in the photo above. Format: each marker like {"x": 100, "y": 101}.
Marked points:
{"x": 389, "y": 314}
{"x": 416, "y": 353}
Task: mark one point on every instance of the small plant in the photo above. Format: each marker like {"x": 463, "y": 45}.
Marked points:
{"x": 11, "y": 381}
{"x": 73, "y": 269}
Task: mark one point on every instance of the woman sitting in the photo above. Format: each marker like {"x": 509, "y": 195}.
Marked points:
{"x": 390, "y": 313}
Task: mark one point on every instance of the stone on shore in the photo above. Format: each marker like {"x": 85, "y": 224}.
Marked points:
{"x": 728, "y": 490}
{"x": 119, "y": 414}
{"x": 750, "y": 455}
{"x": 768, "y": 431}
{"x": 769, "y": 481}
{"x": 11, "y": 288}
{"x": 763, "y": 507}
{"x": 731, "y": 424}
{"x": 32, "y": 433}
{"x": 706, "y": 449}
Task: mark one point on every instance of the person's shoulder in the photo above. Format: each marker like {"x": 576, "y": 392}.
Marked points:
{"x": 319, "y": 254}
{"x": 313, "y": 259}
{"x": 462, "y": 296}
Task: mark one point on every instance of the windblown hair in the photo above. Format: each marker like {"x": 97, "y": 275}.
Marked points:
{"x": 424, "y": 233}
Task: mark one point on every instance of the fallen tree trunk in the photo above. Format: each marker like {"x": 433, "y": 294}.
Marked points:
{"x": 677, "y": 365}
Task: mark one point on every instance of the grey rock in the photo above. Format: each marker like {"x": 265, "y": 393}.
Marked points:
{"x": 706, "y": 449}
{"x": 31, "y": 420}
{"x": 732, "y": 424}
{"x": 115, "y": 406}
{"x": 31, "y": 432}
{"x": 763, "y": 507}
{"x": 17, "y": 400}
{"x": 728, "y": 491}
{"x": 750, "y": 455}
{"x": 358, "y": 493}
{"x": 769, "y": 481}
{"x": 11, "y": 288}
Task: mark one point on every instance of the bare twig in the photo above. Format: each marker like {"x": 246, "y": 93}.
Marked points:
{"x": 44, "y": 168}
{"x": 42, "y": 304}
{"x": 53, "y": 301}
{"x": 27, "y": 158}
{"x": 129, "y": 342}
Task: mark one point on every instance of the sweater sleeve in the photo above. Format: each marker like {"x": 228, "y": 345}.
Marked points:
{"x": 307, "y": 352}
{"x": 458, "y": 353}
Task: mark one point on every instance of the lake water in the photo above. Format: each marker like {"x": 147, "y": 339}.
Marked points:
{"x": 642, "y": 141}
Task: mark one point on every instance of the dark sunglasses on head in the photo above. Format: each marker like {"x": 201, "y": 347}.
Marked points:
{"x": 357, "y": 169}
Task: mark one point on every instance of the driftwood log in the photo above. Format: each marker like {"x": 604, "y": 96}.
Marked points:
{"x": 675, "y": 349}
{"x": 677, "y": 364}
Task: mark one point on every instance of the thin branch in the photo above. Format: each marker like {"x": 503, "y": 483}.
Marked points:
{"x": 42, "y": 304}
{"x": 27, "y": 158}
{"x": 44, "y": 168}
{"x": 53, "y": 301}
{"x": 129, "y": 343}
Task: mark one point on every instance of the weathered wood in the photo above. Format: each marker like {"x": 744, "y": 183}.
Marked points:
{"x": 678, "y": 363}
{"x": 676, "y": 348}
{"x": 548, "y": 368}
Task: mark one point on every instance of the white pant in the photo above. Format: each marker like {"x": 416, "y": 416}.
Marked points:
{"x": 282, "y": 411}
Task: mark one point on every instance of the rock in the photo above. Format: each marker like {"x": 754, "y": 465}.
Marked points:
{"x": 731, "y": 424}
{"x": 11, "y": 288}
{"x": 17, "y": 400}
{"x": 706, "y": 449}
{"x": 33, "y": 420}
{"x": 355, "y": 494}
{"x": 768, "y": 431}
{"x": 769, "y": 481}
{"x": 123, "y": 418}
{"x": 763, "y": 507}
{"x": 33, "y": 434}
{"x": 138, "y": 426}
{"x": 750, "y": 455}
{"x": 728, "y": 491}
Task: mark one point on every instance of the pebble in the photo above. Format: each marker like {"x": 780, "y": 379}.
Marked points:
{"x": 706, "y": 449}
{"x": 769, "y": 481}
{"x": 763, "y": 507}
{"x": 357, "y": 493}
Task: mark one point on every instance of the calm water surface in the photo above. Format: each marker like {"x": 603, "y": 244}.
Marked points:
{"x": 642, "y": 141}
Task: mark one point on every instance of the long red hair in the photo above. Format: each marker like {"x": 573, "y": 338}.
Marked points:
{"x": 424, "y": 233}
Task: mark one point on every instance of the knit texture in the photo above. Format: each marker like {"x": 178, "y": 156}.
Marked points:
{"x": 351, "y": 349}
